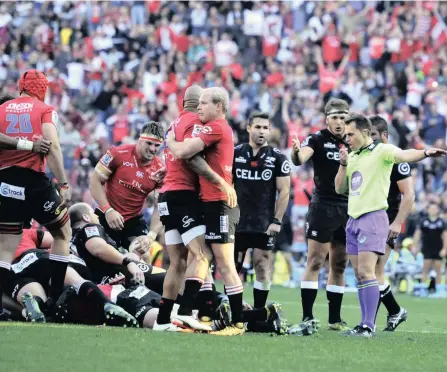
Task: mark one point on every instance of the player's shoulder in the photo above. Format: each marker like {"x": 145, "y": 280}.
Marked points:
{"x": 122, "y": 150}
{"x": 92, "y": 230}
{"x": 241, "y": 147}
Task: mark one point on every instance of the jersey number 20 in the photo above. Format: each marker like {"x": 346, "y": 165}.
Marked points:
{"x": 19, "y": 124}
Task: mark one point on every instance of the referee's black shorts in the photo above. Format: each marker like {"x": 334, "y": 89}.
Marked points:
{"x": 326, "y": 223}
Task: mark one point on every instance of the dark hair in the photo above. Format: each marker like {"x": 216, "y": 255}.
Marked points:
{"x": 380, "y": 123}
{"x": 153, "y": 128}
{"x": 336, "y": 104}
{"x": 258, "y": 115}
{"x": 6, "y": 98}
{"x": 361, "y": 121}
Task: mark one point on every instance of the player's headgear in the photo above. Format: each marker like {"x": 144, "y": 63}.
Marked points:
{"x": 34, "y": 83}
{"x": 336, "y": 106}
{"x": 153, "y": 132}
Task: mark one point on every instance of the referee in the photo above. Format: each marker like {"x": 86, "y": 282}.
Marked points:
{"x": 365, "y": 173}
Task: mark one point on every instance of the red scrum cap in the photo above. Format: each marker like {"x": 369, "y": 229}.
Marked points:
{"x": 34, "y": 83}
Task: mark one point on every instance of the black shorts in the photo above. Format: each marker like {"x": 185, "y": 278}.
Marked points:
{"x": 326, "y": 223}
{"x": 32, "y": 266}
{"x": 246, "y": 240}
{"x": 431, "y": 254}
{"x": 133, "y": 227}
{"x": 181, "y": 215}
{"x": 221, "y": 222}
{"x": 27, "y": 194}
{"x": 392, "y": 213}
{"x": 137, "y": 301}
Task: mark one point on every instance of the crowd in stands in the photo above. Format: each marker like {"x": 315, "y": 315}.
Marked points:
{"x": 114, "y": 65}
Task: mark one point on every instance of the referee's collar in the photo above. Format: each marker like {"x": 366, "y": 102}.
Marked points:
{"x": 370, "y": 147}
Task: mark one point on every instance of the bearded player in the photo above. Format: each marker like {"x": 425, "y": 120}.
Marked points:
{"x": 122, "y": 180}
{"x": 25, "y": 191}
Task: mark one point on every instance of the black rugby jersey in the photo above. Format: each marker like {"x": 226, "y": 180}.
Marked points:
{"x": 326, "y": 161}
{"x": 431, "y": 233}
{"x": 101, "y": 270}
{"x": 400, "y": 172}
{"x": 254, "y": 180}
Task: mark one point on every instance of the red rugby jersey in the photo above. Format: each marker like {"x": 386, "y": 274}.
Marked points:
{"x": 130, "y": 182}
{"x": 22, "y": 118}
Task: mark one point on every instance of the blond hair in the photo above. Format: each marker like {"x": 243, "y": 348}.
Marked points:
{"x": 219, "y": 95}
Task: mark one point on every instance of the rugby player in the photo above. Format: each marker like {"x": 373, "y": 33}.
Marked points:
{"x": 101, "y": 254}
{"x": 181, "y": 213}
{"x": 30, "y": 281}
{"x": 261, "y": 177}
{"x": 216, "y": 142}
{"x": 365, "y": 173}
{"x": 327, "y": 216}
{"x": 431, "y": 236}
{"x": 400, "y": 202}
{"x": 25, "y": 191}
{"x": 122, "y": 180}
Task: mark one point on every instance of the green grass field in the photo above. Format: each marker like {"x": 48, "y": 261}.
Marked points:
{"x": 418, "y": 345}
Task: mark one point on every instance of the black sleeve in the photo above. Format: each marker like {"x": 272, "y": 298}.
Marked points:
{"x": 403, "y": 171}
{"x": 310, "y": 141}
{"x": 282, "y": 168}
{"x": 92, "y": 231}
{"x": 40, "y": 235}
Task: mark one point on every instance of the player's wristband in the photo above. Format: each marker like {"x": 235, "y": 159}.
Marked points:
{"x": 25, "y": 145}
{"x": 110, "y": 209}
{"x": 276, "y": 222}
{"x": 343, "y": 165}
{"x": 152, "y": 235}
{"x": 425, "y": 154}
{"x": 126, "y": 261}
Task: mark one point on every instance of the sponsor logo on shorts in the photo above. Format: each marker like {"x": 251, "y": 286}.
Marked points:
{"x": 314, "y": 233}
{"x": 361, "y": 239}
{"x": 48, "y": 206}
{"x": 25, "y": 262}
{"x": 285, "y": 167}
{"x": 163, "y": 209}
{"x": 140, "y": 174}
{"x": 140, "y": 292}
{"x": 139, "y": 312}
{"x": 11, "y": 191}
{"x": 187, "y": 221}
{"x": 91, "y": 231}
{"x": 356, "y": 181}
{"x": 224, "y": 224}
{"x": 143, "y": 267}
{"x": 213, "y": 236}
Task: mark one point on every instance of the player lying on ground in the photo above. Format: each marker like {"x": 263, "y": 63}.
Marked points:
{"x": 400, "y": 202}
{"x": 30, "y": 279}
{"x": 102, "y": 255}
{"x": 26, "y": 191}
{"x": 122, "y": 180}
{"x": 365, "y": 173}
